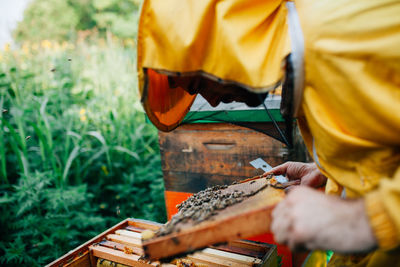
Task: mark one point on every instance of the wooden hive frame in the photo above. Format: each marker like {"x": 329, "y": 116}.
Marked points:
{"x": 122, "y": 244}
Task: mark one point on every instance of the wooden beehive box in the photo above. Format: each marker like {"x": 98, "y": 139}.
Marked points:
{"x": 121, "y": 246}
{"x": 198, "y": 156}
{"x": 210, "y": 149}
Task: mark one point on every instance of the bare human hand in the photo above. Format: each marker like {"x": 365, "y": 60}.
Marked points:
{"x": 309, "y": 219}
{"x": 308, "y": 173}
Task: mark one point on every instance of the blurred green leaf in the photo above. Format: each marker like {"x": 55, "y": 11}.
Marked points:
{"x": 74, "y": 153}
{"x": 103, "y": 4}
{"x": 59, "y": 20}
{"x": 127, "y": 151}
{"x": 98, "y": 136}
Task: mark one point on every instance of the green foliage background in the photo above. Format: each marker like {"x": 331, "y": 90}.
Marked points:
{"x": 61, "y": 19}
{"x": 76, "y": 155}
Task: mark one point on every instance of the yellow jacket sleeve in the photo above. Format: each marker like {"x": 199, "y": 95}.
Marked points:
{"x": 383, "y": 209}
{"x": 350, "y": 112}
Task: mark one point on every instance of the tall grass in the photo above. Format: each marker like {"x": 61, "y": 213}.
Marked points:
{"x": 76, "y": 155}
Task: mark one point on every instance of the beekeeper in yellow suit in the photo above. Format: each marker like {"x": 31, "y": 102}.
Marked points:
{"x": 346, "y": 60}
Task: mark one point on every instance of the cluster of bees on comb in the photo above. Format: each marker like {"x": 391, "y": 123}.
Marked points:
{"x": 206, "y": 203}
{"x": 187, "y": 263}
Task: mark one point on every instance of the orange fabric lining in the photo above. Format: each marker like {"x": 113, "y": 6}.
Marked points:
{"x": 165, "y": 106}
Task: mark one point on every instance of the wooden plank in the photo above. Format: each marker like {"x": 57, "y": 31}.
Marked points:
{"x": 113, "y": 264}
{"x": 231, "y": 140}
{"x": 240, "y": 251}
{"x": 218, "y": 163}
{"x": 251, "y": 245}
{"x": 247, "y": 218}
{"x": 134, "y": 229}
{"x": 93, "y": 260}
{"x": 224, "y": 127}
{"x": 119, "y": 246}
{"x": 144, "y": 224}
{"x": 82, "y": 261}
{"x": 118, "y": 256}
{"x": 245, "y": 247}
{"x": 231, "y": 256}
{"x": 125, "y": 240}
{"x": 114, "y": 245}
{"x": 212, "y": 261}
{"x": 108, "y": 263}
{"x": 129, "y": 234}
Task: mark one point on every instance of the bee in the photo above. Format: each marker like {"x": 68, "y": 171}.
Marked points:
{"x": 128, "y": 250}
{"x": 118, "y": 211}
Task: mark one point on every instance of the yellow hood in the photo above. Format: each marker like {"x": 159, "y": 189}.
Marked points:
{"x": 238, "y": 41}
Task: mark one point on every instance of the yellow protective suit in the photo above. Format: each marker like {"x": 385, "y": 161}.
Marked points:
{"x": 350, "y": 111}
{"x": 238, "y": 41}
